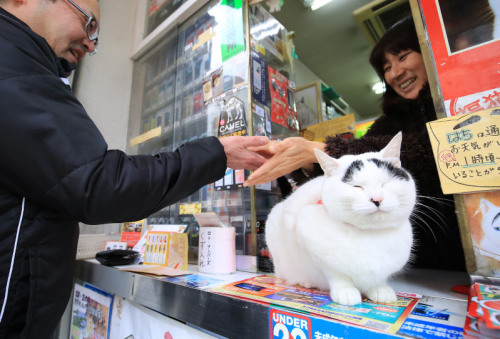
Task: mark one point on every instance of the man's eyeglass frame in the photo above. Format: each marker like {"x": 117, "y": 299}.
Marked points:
{"x": 93, "y": 36}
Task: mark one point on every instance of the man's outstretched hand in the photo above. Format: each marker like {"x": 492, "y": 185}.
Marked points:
{"x": 238, "y": 154}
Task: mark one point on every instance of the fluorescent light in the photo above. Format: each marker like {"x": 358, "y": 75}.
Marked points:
{"x": 315, "y": 4}
{"x": 378, "y": 88}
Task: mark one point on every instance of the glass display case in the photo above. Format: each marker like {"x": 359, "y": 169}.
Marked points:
{"x": 159, "y": 11}
{"x": 227, "y": 70}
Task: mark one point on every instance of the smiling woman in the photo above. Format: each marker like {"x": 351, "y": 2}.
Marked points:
{"x": 398, "y": 61}
{"x": 407, "y": 106}
{"x": 405, "y": 73}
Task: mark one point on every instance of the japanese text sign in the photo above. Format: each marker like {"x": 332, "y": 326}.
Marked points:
{"x": 467, "y": 151}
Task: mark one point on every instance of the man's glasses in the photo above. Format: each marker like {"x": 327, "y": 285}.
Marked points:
{"x": 91, "y": 27}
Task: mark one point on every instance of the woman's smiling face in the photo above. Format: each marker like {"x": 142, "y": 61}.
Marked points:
{"x": 405, "y": 73}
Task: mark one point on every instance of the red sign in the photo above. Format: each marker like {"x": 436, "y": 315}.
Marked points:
{"x": 466, "y": 64}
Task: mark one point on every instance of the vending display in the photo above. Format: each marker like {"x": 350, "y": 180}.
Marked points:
{"x": 209, "y": 77}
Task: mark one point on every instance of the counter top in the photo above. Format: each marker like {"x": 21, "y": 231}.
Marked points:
{"x": 227, "y": 316}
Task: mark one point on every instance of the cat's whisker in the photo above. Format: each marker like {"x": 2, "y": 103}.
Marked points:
{"x": 416, "y": 217}
{"x": 441, "y": 227}
{"x": 435, "y": 212}
{"x": 444, "y": 200}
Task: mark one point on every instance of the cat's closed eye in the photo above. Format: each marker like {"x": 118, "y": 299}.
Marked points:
{"x": 358, "y": 186}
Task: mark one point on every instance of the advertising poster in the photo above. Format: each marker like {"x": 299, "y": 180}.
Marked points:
{"x": 132, "y": 232}
{"x": 232, "y": 179}
{"x": 465, "y": 45}
{"x": 483, "y": 314}
{"x": 436, "y": 318}
{"x": 232, "y": 118}
{"x": 283, "y": 107}
{"x": 230, "y": 17}
{"x": 308, "y": 104}
{"x": 194, "y": 280}
{"x": 152, "y": 7}
{"x": 286, "y": 324}
{"x": 261, "y": 120}
{"x": 363, "y": 127}
{"x": 91, "y": 313}
{"x": 259, "y": 79}
{"x": 483, "y": 210}
{"x": 167, "y": 248}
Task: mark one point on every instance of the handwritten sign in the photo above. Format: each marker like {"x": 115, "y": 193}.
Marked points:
{"x": 216, "y": 250}
{"x": 205, "y": 246}
{"x": 467, "y": 151}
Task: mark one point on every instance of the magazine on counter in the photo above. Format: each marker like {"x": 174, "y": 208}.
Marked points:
{"x": 272, "y": 290}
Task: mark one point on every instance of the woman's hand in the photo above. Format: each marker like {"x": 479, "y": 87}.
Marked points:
{"x": 283, "y": 157}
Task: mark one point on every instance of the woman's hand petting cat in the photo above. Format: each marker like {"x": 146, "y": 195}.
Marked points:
{"x": 283, "y": 157}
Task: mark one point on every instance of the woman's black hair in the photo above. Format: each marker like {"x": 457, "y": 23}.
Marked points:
{"x": 399, "y": 37}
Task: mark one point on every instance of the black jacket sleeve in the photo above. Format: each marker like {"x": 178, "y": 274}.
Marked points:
{"x": 53, "y": 154}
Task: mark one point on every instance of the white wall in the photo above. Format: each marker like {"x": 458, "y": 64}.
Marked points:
{"x": 303, "y": 75}
{"x": 104, "y": 80}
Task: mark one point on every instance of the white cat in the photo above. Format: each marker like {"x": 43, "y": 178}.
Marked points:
{"x": 347, "y": 231}
{"x": 490, "y": 245}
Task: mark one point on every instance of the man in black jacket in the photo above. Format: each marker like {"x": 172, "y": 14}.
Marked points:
{"x": 57, "y": 170}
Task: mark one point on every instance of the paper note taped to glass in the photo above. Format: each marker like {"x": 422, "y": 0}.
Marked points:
{"x": 467, "y": 151}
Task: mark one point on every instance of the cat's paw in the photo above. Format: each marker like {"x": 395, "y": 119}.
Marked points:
{"x": 346, "y": 296}
{"x": 382, "y": 294}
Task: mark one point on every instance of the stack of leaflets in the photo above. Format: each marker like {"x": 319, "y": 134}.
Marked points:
{"x": 483, "y": 313}
{"x": 270, "y": 290}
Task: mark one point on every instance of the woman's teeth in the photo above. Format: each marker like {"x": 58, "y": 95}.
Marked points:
{"x": 407, "y": 83}
{"x": 75, "y": 53}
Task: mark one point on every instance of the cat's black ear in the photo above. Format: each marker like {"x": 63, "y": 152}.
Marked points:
{"x": 392, "y": 151}
{"x": 328, "y": 164}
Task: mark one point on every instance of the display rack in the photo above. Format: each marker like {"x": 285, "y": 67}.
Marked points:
{"x": 192, "y": 81}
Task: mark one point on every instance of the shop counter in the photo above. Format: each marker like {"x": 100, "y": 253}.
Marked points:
{"x": 234, "y": 317}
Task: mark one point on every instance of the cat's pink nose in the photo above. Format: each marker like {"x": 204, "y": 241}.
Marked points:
{"x": 377, "y": 200}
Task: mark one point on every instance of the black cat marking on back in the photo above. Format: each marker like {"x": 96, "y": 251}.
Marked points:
{"x": 393, "y": 170}
{"x": 356, "y": 165}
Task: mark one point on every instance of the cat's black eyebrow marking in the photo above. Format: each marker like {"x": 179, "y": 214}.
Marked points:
{"x": 495, "y": 218}
{"x": 356, "y": 165}
{"x": 395, "y": 171}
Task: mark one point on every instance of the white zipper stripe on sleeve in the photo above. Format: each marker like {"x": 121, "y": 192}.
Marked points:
{"x": 65, "y": 81}
{"x": 12, "y": 261}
